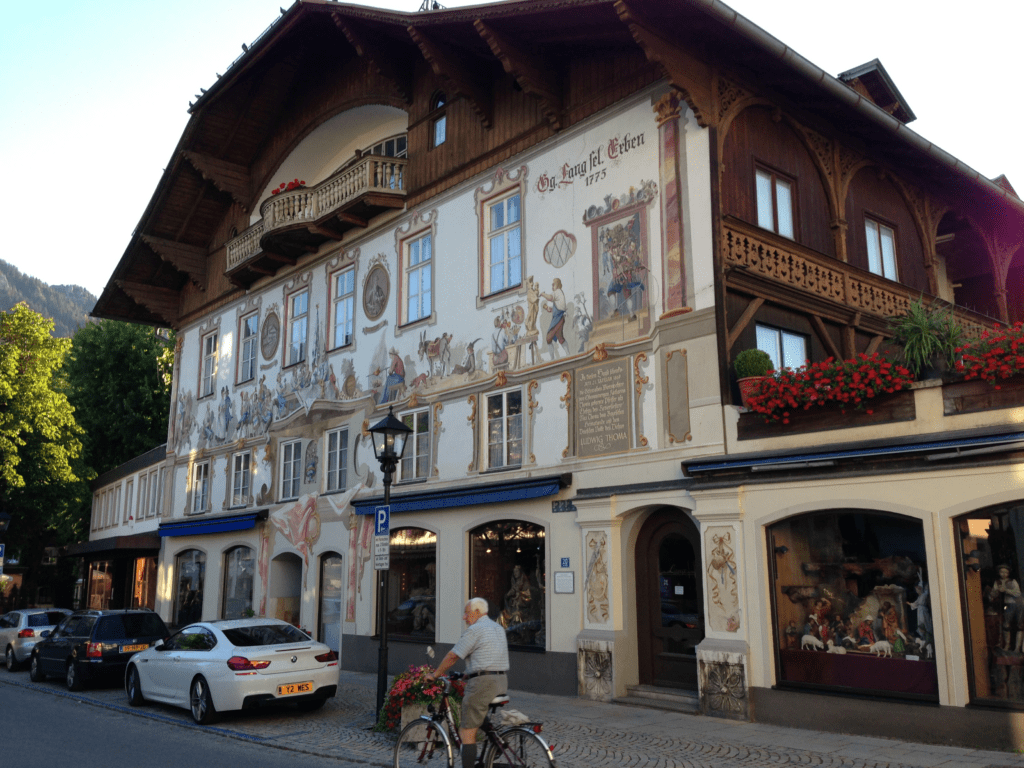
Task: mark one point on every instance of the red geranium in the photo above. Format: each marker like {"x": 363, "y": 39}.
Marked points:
{"x": 412, "y": 687}
{"x": 288, "y": 186}
{"x": 996, "y": 354}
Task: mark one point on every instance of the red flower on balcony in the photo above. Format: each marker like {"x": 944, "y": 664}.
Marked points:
{"x": 847, "y": 383}
{"x": 288, "y": 186}
{"x": 995, "y": 355}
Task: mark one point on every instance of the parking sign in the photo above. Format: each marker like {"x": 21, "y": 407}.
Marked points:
{"x": 382, "y": 520}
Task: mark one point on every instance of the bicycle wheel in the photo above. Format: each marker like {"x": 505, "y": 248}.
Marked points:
{"x": 521, "y": 748}
{"x": 423, "y": 743}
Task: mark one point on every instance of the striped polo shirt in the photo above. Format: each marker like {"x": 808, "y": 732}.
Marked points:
{"x": 483, "y": 647}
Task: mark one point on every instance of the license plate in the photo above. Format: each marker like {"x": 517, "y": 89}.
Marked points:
{"x": 293, "y": 688}
{"x": 134, "y": 648}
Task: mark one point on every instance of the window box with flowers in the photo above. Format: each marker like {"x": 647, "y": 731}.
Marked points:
{"x": 409, "y": 696}
{"x": 991, "y": 369}
{"x": 832, "y": 394}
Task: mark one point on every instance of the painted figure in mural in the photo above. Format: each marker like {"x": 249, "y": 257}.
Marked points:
{"x": 500, "y": 340}
{"x": 582, "y": 321}
{"x": 438, "y": 350}
{"x": 469, "y": 367}
{"x": 245, "y": 414}
{"x": 281, "y": 397}
{"x": 394, "y": 384}
{"x": 557, "y": 310}
{"x": 225, "y": 413}
{"x": 533, "y": 306}
{"x": 208, "y": 436}
{"x": 622, "y": 255}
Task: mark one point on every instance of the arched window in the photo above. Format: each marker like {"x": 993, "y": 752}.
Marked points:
{"x": 190, "y": 575}
{"x": 507, "y": 567}
{"x": 412, "y": 584}
{"x": 991, "y": 544}
{"x": 239, "y": 572}
{"x": 846, "y": 586}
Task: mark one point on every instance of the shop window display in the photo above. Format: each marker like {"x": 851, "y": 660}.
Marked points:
{"x": 190, "y": 566}
{"x": 508, "y": 569}
{"x": 412, "y": 584}
{"x": 992, "y": 547}
{"x": 852, "y": 603}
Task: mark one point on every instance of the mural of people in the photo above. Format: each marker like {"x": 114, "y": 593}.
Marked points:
{"x": 533, "y": 306}
{"x": 622, "y": 252}
{"x": 557, "y": 310}
{"x": 500, "y": 340}
{"x": 395, "y": 381}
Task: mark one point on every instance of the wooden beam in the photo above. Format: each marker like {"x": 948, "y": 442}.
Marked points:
{"x": 744, "y": 321}
{"x": 535, "y": 74}
{"x": 160, "y": 301}
{"x": 381, "y": 60}
{"x": 230, "y": 178}
{"x": 351, "y": 218}
{"x": 874, "y": 344}
{"x": 826, "y": 338}
{"x": 189, "y": 259}
{"x": 690, "y": 75}
{"x": 463, "y": 80}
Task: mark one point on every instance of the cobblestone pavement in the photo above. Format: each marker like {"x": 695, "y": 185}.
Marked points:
{"x": 583, "y": 734}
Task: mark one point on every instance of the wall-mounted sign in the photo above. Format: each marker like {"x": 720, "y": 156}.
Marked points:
{"x": 565, "y": 583}
{"x": 594, "y": 167}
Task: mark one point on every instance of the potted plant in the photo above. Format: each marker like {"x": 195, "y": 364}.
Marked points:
{"x": 751, "y": 366}
{"x": 409, "y": 695}
{"x": 928, "y": 337}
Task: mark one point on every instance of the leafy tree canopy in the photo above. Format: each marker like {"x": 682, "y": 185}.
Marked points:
{"x": 118, "y": 380}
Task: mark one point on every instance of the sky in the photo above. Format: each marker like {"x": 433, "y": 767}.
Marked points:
{"x": 93, "y": 99}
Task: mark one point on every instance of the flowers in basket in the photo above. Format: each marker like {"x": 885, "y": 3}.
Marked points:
{"x": 288, "y": 186}
{"x": 995, "y": 355}
{"x": 412, "y": 687}
{"x": 848, "y": 383}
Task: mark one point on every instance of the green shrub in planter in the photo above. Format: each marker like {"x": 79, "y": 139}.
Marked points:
{"x": 752, "y": 362}
{"x": 927, "y": 336}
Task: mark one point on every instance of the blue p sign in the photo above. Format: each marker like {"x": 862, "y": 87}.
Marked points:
{"x": 382, "y": 522}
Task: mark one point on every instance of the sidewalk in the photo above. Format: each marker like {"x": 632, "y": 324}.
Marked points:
{"x": 582, "y": 734}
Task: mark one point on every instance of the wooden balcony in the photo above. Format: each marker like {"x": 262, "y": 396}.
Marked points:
{"x": 299, "y": 221}
{"x": 777, "y": 269}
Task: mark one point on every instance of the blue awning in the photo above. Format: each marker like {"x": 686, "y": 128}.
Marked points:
{"x": 200, "y": 526}
{"x": 487, "y": 493}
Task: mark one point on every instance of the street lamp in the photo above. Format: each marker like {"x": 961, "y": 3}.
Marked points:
{"x": 5, "y": 520}
{"x": 389, "y": 436}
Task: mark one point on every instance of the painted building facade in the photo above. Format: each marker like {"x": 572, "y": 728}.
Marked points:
{"x": 540, "y": 233}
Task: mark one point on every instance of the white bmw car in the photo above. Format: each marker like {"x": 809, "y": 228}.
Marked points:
{"x": 217, "y": 666}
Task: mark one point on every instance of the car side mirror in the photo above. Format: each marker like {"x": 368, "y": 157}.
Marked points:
{"x": 45, "y": 633}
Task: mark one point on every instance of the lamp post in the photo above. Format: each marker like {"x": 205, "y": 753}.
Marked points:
{"x": 389, "y": 436}
{"x": 5, "y": 520}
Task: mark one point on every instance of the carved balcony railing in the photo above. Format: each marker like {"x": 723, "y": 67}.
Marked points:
{"x": 826, "y": 286}
{"x": 300, "y": 220}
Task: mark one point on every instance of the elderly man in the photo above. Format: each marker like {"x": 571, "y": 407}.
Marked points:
{"x": 485, "y": 650}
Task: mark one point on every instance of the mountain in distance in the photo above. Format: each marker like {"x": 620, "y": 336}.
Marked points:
{"x": 68, "y": 305}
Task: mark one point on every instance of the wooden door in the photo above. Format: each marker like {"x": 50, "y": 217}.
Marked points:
{"x": 670, "y": 604}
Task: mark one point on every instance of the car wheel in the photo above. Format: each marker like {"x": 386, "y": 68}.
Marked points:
{"x": 73, "y": 677}
{"x": 12, "y": 663}
{"x": 35, "y": 674}
{"x": 311, "y": 705}
{"x": 200, "y": 702}
{"x": 133, "y": 687}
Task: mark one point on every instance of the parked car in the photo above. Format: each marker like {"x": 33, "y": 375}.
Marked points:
{"x": 20, "y": 630}
{"x": 215, "y": 666}
{"x": 93, "y": 644}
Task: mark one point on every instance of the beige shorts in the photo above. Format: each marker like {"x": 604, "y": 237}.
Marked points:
{"x": 480, "y": 691}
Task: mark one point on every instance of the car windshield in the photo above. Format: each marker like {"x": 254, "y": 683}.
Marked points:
{"x": 265, "y": 634}
{"x": 45, "y": 619}
{"x": 131, "y": 625}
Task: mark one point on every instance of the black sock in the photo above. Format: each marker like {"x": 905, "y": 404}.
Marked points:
{"x": 468, "y": 755}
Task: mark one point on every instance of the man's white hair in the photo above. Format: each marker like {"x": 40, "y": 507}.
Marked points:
{"x": 477, "y": 604}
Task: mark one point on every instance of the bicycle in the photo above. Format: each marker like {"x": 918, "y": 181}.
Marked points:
{"x": 433, "y": 739}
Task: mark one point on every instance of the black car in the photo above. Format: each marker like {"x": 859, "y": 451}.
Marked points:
{"x": 92, "y": 644}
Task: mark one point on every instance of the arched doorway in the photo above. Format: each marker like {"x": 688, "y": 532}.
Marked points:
{"x": 669, "y": 599}
{"x": 286, "y": 587}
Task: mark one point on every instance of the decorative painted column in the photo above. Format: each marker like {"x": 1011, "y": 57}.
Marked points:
{"x": 722, "y": 657}
{"x": 601, "y": 601}
{"x": 673, "y": 265}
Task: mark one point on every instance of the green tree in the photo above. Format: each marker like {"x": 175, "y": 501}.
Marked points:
{"x": 40, "y": 485}
{"x": 119, "y": 382}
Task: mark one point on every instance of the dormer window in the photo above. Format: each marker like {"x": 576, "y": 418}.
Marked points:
{"x": 439, "y": 125}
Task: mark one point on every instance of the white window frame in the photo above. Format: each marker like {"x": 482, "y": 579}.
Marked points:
{"x": 153, "y": 507}
{"x": 439, "y": 123}
{"x": 415, "y": 464}
{"x": 298, "y": 328}
{"x": 779, "y": 345}
{"x": 336, "y": 454}
{"x": 208, "y": 364}
{"x": 247, "y": 347}
{"x": 775, "y": 211}
{"x": 500, "y": 238}
{"x": 200, "y": 488}
{"x": 129, "y": 490}
{"x": 142, "y": 504}
{"x": 241, "y": 479}
{"x": 343, "y": 309}
{"x": 497, "y": 431}
{"x": 420, "y": 274}
{"x": 877, "y": 234}
{"x": 291, "y": 470}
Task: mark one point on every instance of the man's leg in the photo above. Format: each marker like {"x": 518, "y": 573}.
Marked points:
{"x": 468, "y": 736}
